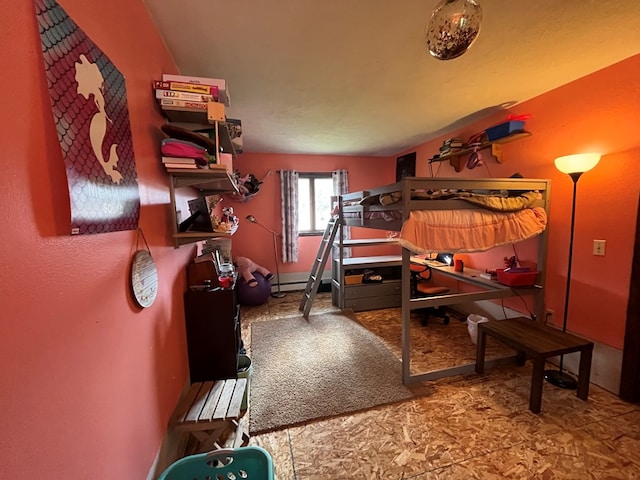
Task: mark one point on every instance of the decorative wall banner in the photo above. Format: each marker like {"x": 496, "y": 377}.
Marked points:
{"x": 89, "y": 105}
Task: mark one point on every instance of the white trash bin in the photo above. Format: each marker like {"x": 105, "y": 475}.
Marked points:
{"x": 245, "y": 370}
{"x": 472, "y": 325}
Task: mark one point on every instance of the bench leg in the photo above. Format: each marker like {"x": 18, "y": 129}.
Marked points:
{"x": 535, "y": 399}
{"x": 584, "y": 373}
{"x": 480, "y": 349}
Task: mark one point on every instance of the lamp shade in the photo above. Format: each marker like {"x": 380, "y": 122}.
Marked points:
{"x": 579, "y": 163}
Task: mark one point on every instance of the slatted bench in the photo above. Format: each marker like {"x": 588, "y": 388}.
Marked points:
{"x": 210, "y": 410}
{"x": 538, "y": 342}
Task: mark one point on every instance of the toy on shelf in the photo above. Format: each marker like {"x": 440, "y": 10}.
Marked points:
{"x": 248, "y": 186}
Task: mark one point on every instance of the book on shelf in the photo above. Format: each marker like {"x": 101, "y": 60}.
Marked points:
{"x": 186, "y": 87}
{"x": 181, "y": 166}
{"x": 211, "y": 168}
{"x": 193, "y": 97}
{"x": 184, "y": 160}
{"x": 187, "y": 105}
{"x": 219, "y": 83}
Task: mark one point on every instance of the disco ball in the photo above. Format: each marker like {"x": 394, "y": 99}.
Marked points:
{"x": 453, "y": 27}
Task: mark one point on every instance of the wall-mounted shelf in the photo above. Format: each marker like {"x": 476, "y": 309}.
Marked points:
{"x": 207, "y": 182}
{"x": 200, "y": 124}
{"x": 495, "y": 145}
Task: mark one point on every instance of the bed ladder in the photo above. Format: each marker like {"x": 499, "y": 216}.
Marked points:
{"x": 315, "y": 277}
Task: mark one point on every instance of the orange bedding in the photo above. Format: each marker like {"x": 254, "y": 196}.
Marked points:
{"x": 428, "y": 231}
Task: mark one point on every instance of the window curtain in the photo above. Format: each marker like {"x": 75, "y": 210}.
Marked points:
{"x": 289, "y": 206}
{"x": 340, "y": 187}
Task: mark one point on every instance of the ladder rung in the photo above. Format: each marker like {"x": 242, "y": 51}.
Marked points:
{"x": 315, "y": 276}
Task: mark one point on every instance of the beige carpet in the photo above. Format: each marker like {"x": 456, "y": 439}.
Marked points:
{"x": 326, "y": 366}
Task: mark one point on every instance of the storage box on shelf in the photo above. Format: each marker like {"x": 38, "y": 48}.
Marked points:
{"x": 504, "y": 130}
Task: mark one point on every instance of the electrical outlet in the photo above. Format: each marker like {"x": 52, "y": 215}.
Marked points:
{"x": 598, "y": 247}
{"x": 548, "y": 316}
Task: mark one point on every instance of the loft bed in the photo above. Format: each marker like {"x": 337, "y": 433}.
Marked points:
{"x": 453, "y": 215}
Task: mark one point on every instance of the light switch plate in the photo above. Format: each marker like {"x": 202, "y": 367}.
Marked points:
{"x": 599, "y": 247}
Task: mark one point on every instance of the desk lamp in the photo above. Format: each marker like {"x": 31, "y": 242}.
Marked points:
{"x": 574, "y": 166}
{"x": 253, "y": 219}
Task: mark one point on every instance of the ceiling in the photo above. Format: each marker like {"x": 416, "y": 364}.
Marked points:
{"x": 352, "y": 77}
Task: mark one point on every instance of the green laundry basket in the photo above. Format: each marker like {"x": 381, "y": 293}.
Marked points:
{"x": 252, "y": 463}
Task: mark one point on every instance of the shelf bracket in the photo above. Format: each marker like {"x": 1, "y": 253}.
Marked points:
{"x": 496, "y": 151}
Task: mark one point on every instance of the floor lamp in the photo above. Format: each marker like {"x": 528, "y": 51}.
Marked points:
{"x": 252, "y": 219}
{"x": 574, "y": 166}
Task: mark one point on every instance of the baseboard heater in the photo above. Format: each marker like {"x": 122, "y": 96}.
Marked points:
{"x": 298, "y": 281}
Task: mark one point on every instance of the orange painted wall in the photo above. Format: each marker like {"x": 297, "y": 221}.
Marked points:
{"x": 254, "y": 242}
{"x": 599, "y": 112}
{"x": 88, "y": 379}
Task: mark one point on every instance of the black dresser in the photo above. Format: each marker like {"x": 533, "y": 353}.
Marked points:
{"x": 214, "y": 338}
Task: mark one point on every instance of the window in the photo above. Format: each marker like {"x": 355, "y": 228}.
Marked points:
{"x": 314, "y": 202}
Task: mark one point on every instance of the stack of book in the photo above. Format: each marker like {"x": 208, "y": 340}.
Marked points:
{"x": 182, "y": 96}
{"x": 183, "y": 163}
{"x": 180, "y": 154}
{"x": 450, "y": 146}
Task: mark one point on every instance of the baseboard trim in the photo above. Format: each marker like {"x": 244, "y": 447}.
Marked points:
{"x": 296, "y": 281}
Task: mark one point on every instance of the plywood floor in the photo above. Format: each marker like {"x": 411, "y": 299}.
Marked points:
{"x": 465, "y": 427}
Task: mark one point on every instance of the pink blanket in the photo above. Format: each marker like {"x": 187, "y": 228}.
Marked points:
{"x": 469, "y": 230}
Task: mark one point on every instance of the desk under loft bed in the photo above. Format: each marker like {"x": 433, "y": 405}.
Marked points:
{"x": 497, "y": 211}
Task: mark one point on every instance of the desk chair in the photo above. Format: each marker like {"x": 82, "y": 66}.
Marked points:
{"x": 422, "y": 286}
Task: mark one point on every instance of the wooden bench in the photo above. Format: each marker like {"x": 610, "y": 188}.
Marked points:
{"x": 538, "y": 342}
{"x": 210, "y": 410}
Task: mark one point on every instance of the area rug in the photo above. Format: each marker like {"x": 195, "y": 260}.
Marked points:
{"x": 325, "y": 366}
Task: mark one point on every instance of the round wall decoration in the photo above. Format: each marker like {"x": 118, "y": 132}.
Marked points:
{"x": 144, "y": 277}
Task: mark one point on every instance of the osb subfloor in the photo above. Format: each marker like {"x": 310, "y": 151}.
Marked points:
{"x": 464, "y": 427}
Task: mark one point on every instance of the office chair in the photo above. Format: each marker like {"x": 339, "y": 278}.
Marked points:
{"x": 422, "y": 286}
